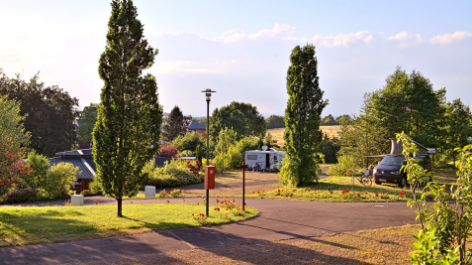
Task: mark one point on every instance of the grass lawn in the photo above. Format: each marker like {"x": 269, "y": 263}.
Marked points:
{"x": 337, "y": 189}
{"x": 26, "y": 225}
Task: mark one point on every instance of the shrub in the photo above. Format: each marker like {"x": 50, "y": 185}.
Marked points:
{"x": 96, "y": 187}
{"x": 18, "y": 196}
{"x": 168, "y": 150}
{"x": 59, "y": 178}
{"x": 344, "y": 166}
{"x": 39, "y": 165}
{"x": 172, "y": 174}
{"x": 186, "y": 153}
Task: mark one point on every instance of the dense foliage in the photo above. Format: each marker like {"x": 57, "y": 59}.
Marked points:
{"x": 13, "y": 140}
{"x": 50, "y": 113}
{"x": 302, "y": 135}
{"x": 173, "y": 174}
{"x": 168, "y": 150}
{"x": 458, "y": 129}
{"x": 88, "y": 118}
{"x": 174, "y": 126}
{"x": 406, "y": 103}
{"x": 59, "y": 178}
{"x": 275, "y": 121}
{"x": 243, "y": 118}
{"x": 330, "y": 120}
{"x": 39, "y": 166}
{"x": 445, "y": 225}
{"x": 329, "y": 147}
{"x": 127, "y": 132}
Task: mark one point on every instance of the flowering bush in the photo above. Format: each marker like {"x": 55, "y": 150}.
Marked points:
{"x": 402, "y": 193}
{"x": 194, "y": 166}
{"x": 176, "y": 193}
{"x": 172, "y": 174}
{"x": 168, "y": 150}
{"x": 18, "y": 196}
{"x": 201, "y": 218}
{"x": 163, "y": 194}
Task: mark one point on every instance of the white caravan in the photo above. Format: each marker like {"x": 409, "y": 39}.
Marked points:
{"x": 269, "y": 159}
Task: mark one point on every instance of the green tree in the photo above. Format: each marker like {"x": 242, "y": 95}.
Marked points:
{"x": 198, "y": 154}
{"x": 87, "y": 122}
{"x": 13, "y": 139}
{"x": 329, "y": 148}
{"x": 190, "y": 141}
{"x": 58, "y": 179}
{"x": 458, "y": 126}
{"x": 243, "y": 118}
{"x": 328, "y": 120}
{"x": 39, "y": 165}
{"x": 175, "y": 125}
{"x": 275, "y": 121}
{"x": 302, "y": 135}
{"x": 127, "y": 131}
{"x": 50, "y": 113}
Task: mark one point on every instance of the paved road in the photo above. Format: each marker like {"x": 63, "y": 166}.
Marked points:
{"x": 279, "y": 219}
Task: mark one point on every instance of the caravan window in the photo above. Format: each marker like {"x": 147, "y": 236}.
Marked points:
{"x": 251, "y": 157}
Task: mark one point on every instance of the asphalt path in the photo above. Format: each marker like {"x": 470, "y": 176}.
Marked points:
{"x": 278, "y": 219}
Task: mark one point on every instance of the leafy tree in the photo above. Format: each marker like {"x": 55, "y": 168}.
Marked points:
{"x": 39, "y": 166}
{"x": 329, "y": 148}
{"x": 227, "y": 117}
{"x": 50, "y": 113}
{"x": 243, "y": 118}
{"x": 127, "y": 131}
{"x": 344, "y": 119}
{"x": 302, "y": 135}
{"x": 189, "y": 141}
{"x": 58, "y": 179}
{"x": 87, "y": 122}
{"x": 363, "y": 137}
{"x": 328, "y": 120}
{"x": 458, "y": 119}
{"x": 268, "y": 140}
{"x": 275, "y": 121}
{"x": 13, "y": 140}
{"x": 175, "y": 125}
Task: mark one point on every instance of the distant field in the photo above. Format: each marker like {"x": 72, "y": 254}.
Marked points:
{"x": 278, "y": 134}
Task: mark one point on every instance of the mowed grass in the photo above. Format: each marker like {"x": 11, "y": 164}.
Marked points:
{"x": 338, "y": 189}
{"x": 27, "y": 225}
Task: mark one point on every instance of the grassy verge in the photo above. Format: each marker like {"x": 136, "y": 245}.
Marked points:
{"x": 337, "y": 189}
{"x": 26, "y": 225}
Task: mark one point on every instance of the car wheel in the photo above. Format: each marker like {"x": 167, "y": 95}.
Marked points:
{"x": 402, "y": 182}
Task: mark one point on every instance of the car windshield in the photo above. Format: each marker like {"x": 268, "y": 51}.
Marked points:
{"x": 392, "y": 161}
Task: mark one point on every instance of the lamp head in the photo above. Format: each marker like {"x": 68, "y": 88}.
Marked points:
{"x": 208, "y": 92}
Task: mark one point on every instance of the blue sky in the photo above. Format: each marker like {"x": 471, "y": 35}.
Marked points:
{"x": 241, "y": 48}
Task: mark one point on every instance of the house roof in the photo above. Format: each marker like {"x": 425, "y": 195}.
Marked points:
{"x": 86, "y": 171}
{"x": 196, "y": 126}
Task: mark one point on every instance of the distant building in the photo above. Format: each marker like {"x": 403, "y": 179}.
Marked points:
{"x": 197, "y": 127}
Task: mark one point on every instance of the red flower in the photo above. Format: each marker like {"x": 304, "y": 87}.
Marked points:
{"x": 358, "y": 195}
{"x": 314, "y": 189}
{"x": 331, "y": 192}
{"x": 376, "y": 194}
{"x": 96, "y": 203}
{"x": 131, "y": 202}
{"x": 291, "y": 194}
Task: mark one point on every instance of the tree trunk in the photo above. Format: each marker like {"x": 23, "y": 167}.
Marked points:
{"x": 120, "y": 207}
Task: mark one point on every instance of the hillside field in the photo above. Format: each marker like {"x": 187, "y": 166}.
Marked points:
{"x": 278, "y": 134}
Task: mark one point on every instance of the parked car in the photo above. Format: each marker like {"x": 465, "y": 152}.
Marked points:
{"x": 389, "y": 169}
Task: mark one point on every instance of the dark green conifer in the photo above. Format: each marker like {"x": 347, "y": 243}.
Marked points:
{"x": 127, "y": 131}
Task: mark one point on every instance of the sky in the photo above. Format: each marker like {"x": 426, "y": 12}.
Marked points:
{"x": 241, "y": 49}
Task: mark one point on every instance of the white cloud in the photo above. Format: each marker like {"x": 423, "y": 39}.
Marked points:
{"x": 345, "y": 39}
{"x": 449, "y": 38}
{"x": 402, "y": 36}
{"x": 281, "y": 31}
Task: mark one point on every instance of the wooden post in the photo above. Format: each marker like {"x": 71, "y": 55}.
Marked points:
{"x": 244, "y": 166}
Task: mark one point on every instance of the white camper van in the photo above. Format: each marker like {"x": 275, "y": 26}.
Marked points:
{"x": 269, "y": 159}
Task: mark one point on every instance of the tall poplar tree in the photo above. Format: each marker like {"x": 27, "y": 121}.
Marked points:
{"x": 175, "y": 125}
{"x": 302, "y": 135}
{"x": 127, "y": 131}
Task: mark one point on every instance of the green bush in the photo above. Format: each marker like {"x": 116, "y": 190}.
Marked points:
{"x": 39, "y": 165}
{"x": 344, "y": 166}
{"x": 234, "y": 151}
{"x": 59, "y": 178}
{"x": 95, "y": 187}
{"x": 186, "y": 153}
{"x": 172, "y": 174}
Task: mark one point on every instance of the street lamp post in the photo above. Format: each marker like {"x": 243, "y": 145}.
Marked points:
{"x": 208, "y": 92}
